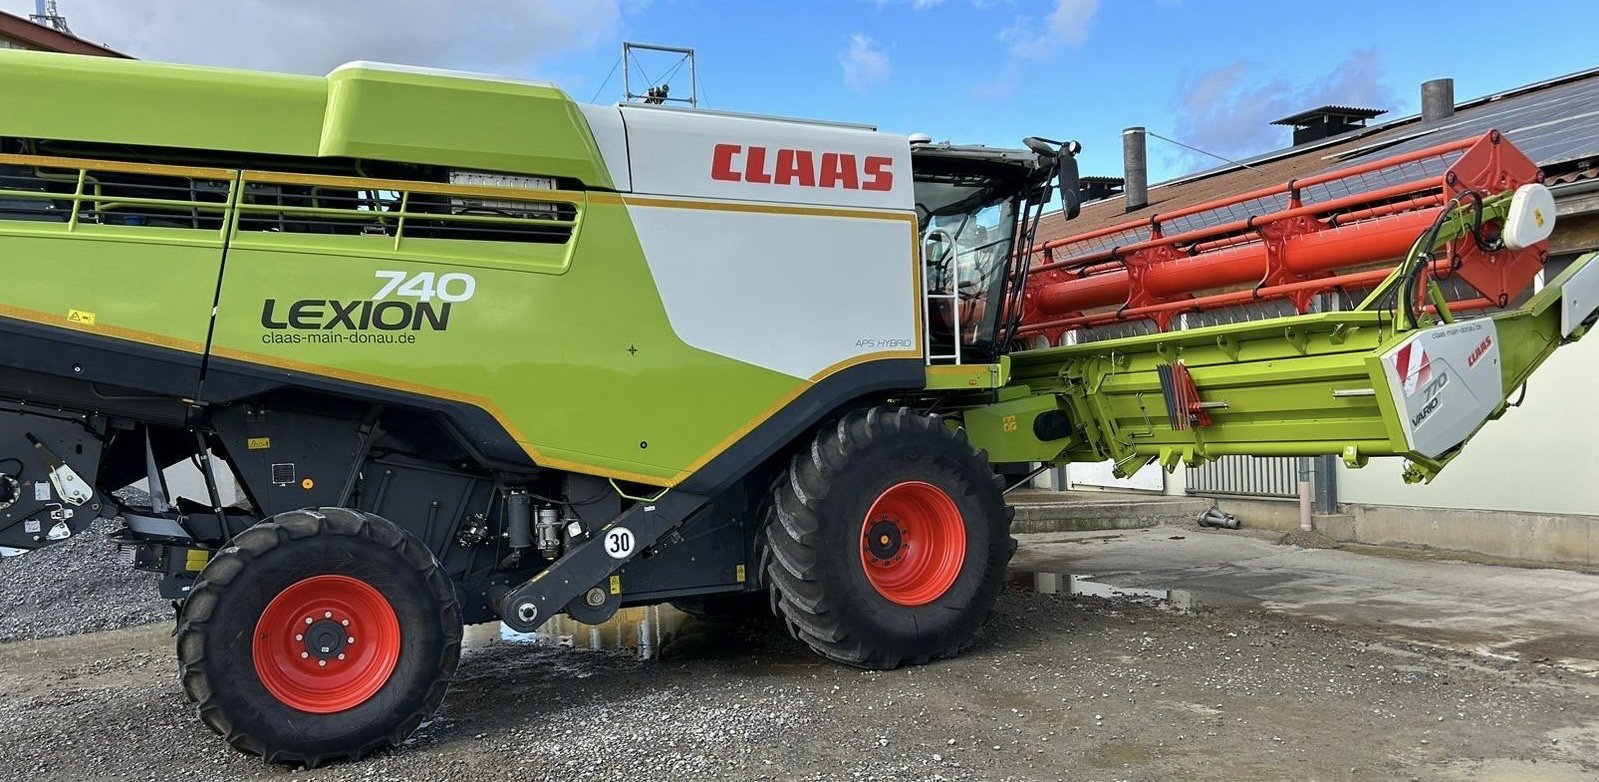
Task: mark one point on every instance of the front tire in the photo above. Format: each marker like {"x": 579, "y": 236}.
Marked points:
{"x": 319, "y": 635}
{"x": 888, "y": 541}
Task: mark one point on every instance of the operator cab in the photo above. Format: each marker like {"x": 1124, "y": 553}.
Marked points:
{"x": 977, "y": 209}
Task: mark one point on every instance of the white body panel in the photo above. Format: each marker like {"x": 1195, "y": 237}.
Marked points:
{"x": 790, "y": 245}
{"x": 1579, "y": 297}
{"x": 796, "y": 293}
{"x": 605, "y": 122}
{"x": 1445, "y": 382}
{"x": 704, "y": 155}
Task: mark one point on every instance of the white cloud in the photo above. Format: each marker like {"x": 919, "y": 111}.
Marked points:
{"x": 1228, "y": 110}
{"x": 864, "y": 62}
{"x": 497, "y": 36}
{"x": 1031, "y": 38}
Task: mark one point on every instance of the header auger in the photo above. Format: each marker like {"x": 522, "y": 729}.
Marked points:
{"x": 472, "y": 351}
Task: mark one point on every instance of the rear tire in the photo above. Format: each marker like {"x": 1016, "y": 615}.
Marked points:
{"x": 888, "y": 542}
{"x": 264, "y": 639}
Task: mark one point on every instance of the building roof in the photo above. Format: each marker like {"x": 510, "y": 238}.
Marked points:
{"x": 1555, "y": 122}
{"x": 37, "y": 36}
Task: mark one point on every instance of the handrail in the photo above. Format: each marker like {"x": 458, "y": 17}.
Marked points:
{"x": 554, "y": 210}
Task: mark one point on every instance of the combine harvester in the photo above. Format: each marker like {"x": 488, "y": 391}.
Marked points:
{"x": 473, "y": 351}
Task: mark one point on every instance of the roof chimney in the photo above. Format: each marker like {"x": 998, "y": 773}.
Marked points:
{"x": 1326, "y": 122}
{"x": 1135, "y": 159}
{"x": 1098, "y": 188}
{"x": 1437, "y": 100}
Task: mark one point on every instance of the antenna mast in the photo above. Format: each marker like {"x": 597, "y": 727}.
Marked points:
{"x": 654, "y": 92}
{"x": 46, "y": 14}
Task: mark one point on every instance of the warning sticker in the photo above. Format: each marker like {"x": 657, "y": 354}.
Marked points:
{"x": 80, "y": 317}
{"x": 41, "y": 491}
{"x": 1414, "y": 367}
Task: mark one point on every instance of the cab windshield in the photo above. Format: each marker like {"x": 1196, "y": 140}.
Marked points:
{"x": 967, "y": 235}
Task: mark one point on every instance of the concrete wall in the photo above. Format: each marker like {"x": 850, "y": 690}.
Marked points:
{"x": 1525, "y": 538}
{"x": 1533, "y": 460}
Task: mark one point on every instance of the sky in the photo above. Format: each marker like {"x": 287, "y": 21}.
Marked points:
{"x": 1209, "y": 73}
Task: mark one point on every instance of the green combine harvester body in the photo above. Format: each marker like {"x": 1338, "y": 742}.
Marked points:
{"x": 473, "y": 351}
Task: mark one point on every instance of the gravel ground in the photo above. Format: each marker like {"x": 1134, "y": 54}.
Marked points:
{"x": 76, "y": 586}
{"x": 1065, "y": 688}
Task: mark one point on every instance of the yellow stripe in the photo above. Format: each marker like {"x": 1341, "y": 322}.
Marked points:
{"x": 75, "y": 164}
{"x": 117, "y": 332}
{"x": 749, "y": 206}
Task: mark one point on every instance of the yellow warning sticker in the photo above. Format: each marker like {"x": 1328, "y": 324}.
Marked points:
{"x": 738, "y": 572}
{"x": 616, "y": 585}
{"x": 258, "y": 443}
{"x": 80, "y": 317}
{"x": 196, "y": 559}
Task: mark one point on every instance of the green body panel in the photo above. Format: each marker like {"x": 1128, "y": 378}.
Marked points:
{"x": 53, "y": 269}
{"x": 360, "y": 112}
{"x": 1277, "y": 388}
{"x": 80, "y": 98}
{"x": 967, "y": 377}
{"x": 417, "y": 117}
{"x": 1005, "y": 428}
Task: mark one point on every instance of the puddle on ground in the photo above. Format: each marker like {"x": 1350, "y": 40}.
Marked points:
{"x": 641, "y": 632}
{"x": 1068, "y": 584}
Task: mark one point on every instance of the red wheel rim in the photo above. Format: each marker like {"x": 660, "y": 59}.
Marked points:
{"x": 913, "y": 543}
{"x": 326, "y": 644}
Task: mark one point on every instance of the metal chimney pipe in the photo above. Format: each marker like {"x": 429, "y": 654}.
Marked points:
{"x": 1135, "y": 159}
{"x": 1437, "y": 100}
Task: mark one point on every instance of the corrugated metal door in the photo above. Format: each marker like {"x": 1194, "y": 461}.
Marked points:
{"x": 1248, "y": 476}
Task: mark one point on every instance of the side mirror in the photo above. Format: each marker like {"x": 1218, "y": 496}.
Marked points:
{"x": 1071, "y": 194}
